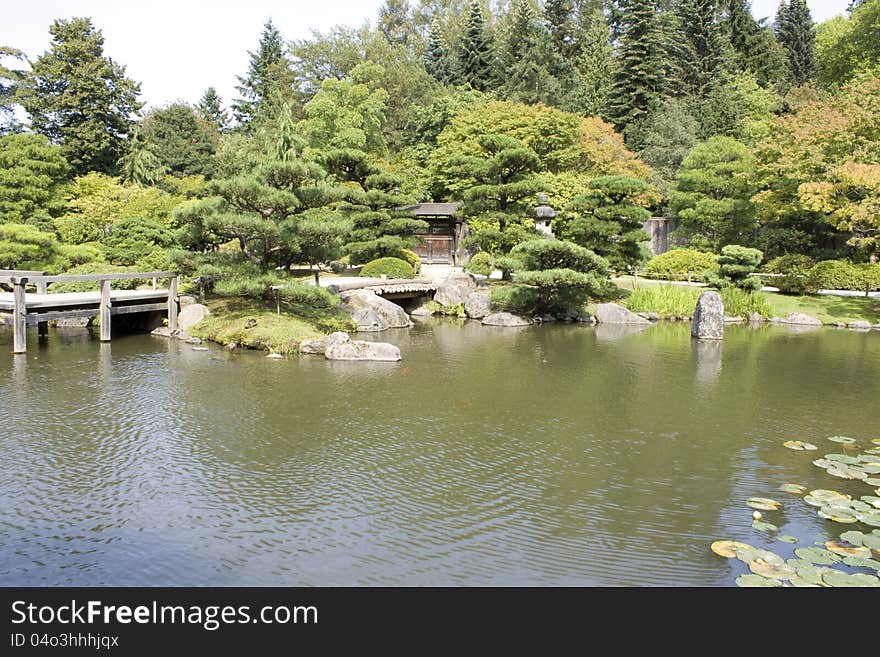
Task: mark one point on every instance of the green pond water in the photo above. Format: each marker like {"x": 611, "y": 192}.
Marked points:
{"x": 555, "y": 455}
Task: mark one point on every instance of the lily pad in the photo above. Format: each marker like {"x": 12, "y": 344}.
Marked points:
{"x": 728, "y": 548}
{"x": 787, "y": 538}
{"x": 750, "y": 580}
{"x": 799, "y": 582}
{"x": 764, "y": 569}
{"x": 871, "y": 518}
{"x": 873, "y": 500}
{"x": 841, "y": 458}
{"x": 876, "y": 441}
{"x": 838, "y": 514}
{"x": 795, "y": 489}
{"x": 824, "y": 494}
{"x": 763, "y": 504}
{"x": 838, "y": 578}
{"x": 873, "y": 481}
{"x": 847, "y": 550}
{"x": 799, "y": 445}
{"x": 842, "y": 439}
{"x": 871, "y": 541}
{"x": 762, "y": 526}
{"x": 853, "y": 537}
{"x": 859, "y": 562}
{"x": 817, "y": 556}
{"x": 846, "y": 472}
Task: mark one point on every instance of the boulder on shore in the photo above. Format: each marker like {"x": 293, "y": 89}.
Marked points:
{"x": 860, "y": 325}
{"x": 316, "y": 346}
{"x": 340, "y": 346}
{"x": 371, "y": 312}
{"x": 191, "y": 315}
{"x": 611, "y": 313}
{"x": 801, "y": 318}
{"x": 455, "y": 289}
{"x": 708, "y": 321}
{"x": 505, "y": 319}
{"x": 478, "y": 305}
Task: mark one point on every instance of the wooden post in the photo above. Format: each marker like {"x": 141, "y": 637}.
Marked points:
{"x": 104, "y": 311}
{"x": 19, "y": 317}
{"x": 172, "y": 303}
{"x": 42, "y": 327}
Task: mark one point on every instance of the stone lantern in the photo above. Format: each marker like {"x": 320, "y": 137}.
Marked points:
{"x": 544, "y": 216}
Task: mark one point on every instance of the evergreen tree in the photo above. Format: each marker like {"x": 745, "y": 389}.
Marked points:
{"x": 268, "y": 80}
{"x": 794, "y": 29}
{"x": 184, "y": 143}
{"x": 526, "y": 75}
{"x": 394, "y": 21}
{"x": 438, "y": 60}
{"x": 594, "y": 64}
{"x": 10, "y": 79}
{"x": 753, "y": 43}
{"x": 476, "y": 50}
{"x": 562, "y": 27}
{"x": 210, "y": 109}
{"x": 33, "y": 174}
{"x": 140, "y": 164}
{"x": 81, "y": 99}
{"x": 638, "y": 77}
{"x": 704, "y": 48}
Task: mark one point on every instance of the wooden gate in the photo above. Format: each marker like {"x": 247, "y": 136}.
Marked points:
{"x": 439, "y": 243}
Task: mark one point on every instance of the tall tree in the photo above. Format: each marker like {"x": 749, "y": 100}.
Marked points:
{"x": 594, "y": 64}
{"x": 10, "y": 79}
{"x": 526, "y": 60}
{"x": 268, "y": 79}
{"x": 210, "y": 109}
{"x": 562, "y": 27}
{"x": 794, "y": 29}
{"x": 753, "y": 43}
{"x": 476, "y": 56}
{"x": 140, "y": 164}
{"x": 394, "y": 21}
{"x": 438, "y": 58}
{"x": 637, "y": 79}
{"x": 81, "y": 99}
{"x": 704, "y": 49}
{"x": 184, "y": 143}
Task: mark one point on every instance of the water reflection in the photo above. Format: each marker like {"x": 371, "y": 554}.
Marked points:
{"x": 707, "y": 354}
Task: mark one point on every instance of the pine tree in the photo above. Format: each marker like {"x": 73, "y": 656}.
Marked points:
{"x": 638, "y": 77}
{"x": 753, "y": 44}
{"x": 794, "y": 30}
{"x": 527, "y": 77}
{"x": 704, "y": 47}
{"x": 269, "y": 76}
{"x": 560, "y": 16}
{"x": 140, "y": 164}
{"x": 437, "y": 58}
{"x": 210, "y": 109}
{"x": 10, "y": 79}
{"x": 594, "y": 64}
{"x": 475, "y": 52}
{"x": 81, "y": 99}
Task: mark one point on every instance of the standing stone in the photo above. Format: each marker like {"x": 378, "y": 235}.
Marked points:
{"x": 477, "y": 305}
{"x": 708, "y": 323}
{"x": 191, "y": 315}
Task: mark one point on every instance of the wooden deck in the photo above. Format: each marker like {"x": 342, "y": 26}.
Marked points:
{"x": 21, "y": 308}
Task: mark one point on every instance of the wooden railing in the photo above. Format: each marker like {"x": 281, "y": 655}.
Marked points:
{"x": 19, "y": 279}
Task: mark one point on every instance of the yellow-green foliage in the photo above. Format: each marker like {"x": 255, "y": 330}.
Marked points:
{"x": 390, "y": 267}
{"x": 678, "y": 264}
{"x": 680, "y": 300}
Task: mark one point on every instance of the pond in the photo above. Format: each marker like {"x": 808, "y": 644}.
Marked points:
{"x": 554, "y": 455}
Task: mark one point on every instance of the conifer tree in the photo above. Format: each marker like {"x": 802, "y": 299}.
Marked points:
{"x": 560, "y": 18}
{"x": 81, "y": 99}
{"x": 794, "y": 29}
{"x": 438, "y": 59}
{"x": 753, "y": 43}
{"x": 704, "y": 47}
{"x": 526, "y": 74}
{"x": 638, "y": 77}
{"x": 210, "y": 109}
{"x": 476, "y": 50}
{"x": 10, "y": 79}
{"x": 594, "y": 64}
{"x": 268, "y": 80}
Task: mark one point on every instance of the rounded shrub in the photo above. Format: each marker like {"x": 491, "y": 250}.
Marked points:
{"x": 792, "y": 270}
{"x": 675, "y": 265}
{"x": 480, "y": 263}
{"x": 390, "y": 267}
{"x": 836, "y": 275}
{"x": 412, "y": 258}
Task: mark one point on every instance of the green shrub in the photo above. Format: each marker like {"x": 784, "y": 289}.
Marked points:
{"x": 480, "y": 263}
{"x": 253, "y": 287}
{"x": 870, "y": 276}
{"x": 792, "y": 270}
{"x": 412, "y": 258}
{"x": 681, "y": 264}
{"x": 308, "y": 295}
{"x": 390, "y": 267}
{"x": 836, "y": 275}
{"x": 99, "y": 268}
{"x": 558, "y": 254}
{"x": 734, "y": 266}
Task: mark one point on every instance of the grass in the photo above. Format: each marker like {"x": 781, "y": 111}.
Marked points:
{"x": 279, "y": 334}
{"x": 677, "y": 300}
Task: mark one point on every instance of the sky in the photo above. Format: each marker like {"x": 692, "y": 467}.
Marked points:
{"x": 177, "y": 49}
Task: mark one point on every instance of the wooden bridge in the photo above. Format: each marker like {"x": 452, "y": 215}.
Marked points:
{"x": 21, "y": 308}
